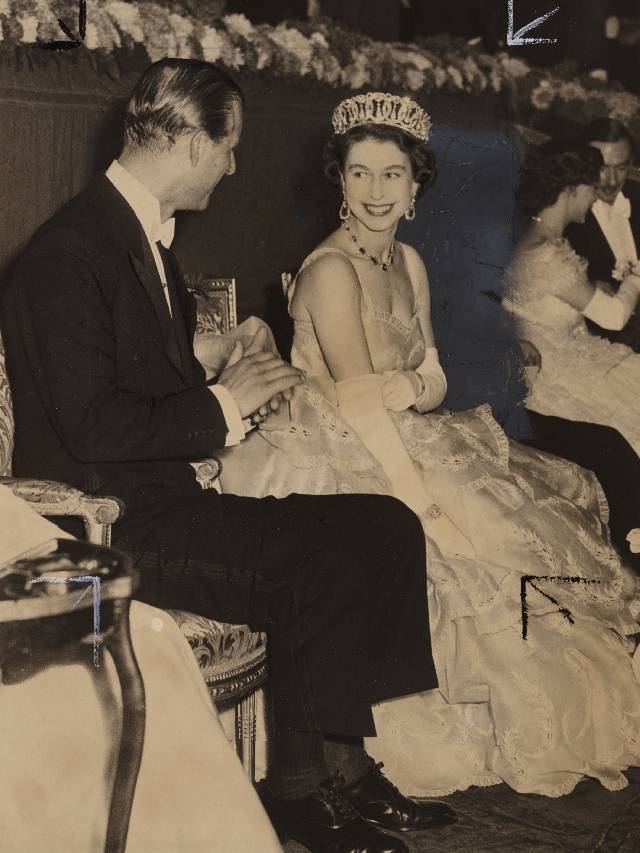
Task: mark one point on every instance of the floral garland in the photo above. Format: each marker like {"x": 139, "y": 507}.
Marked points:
{"x": 325, "y": 52}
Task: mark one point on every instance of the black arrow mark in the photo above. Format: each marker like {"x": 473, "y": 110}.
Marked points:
{"x": 74, "y": 40}
{"x": 529, "y": 579}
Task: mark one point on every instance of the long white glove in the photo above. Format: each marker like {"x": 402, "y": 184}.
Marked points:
{"x": 361, "y": 405}
{"x": 612, "y": 312}
{"x": 424, "y": 388}
{"x": 435, "y": 382}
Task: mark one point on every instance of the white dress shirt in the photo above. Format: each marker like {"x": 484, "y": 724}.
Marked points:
{"x": 613, "y": 219}
{"x": 147, "y": 210}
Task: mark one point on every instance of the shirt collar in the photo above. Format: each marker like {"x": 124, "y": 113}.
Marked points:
{"x": 621, "y": 207}
{"x": 143, "y": 203}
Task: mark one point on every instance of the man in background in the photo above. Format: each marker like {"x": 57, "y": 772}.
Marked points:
{"x": 609, "y": 237}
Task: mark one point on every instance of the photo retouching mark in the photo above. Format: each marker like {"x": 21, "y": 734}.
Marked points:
{"x": 95, "y": 585}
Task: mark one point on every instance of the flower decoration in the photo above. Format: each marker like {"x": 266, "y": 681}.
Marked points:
{"x": 325, "y": 52}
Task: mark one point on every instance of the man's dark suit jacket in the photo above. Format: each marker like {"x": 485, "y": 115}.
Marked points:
{"x": 589, "y": 242}
{"x": 107, "y": 394}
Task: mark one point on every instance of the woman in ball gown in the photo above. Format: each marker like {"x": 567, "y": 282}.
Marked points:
{"x": 538, "y": 713}
{"x": 581, "y": 376}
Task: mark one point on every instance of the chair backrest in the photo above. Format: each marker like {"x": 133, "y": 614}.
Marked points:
{"x": 216, "y": 306}
{"x": 6, "y": 418}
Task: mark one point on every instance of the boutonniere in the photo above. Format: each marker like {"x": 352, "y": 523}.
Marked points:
{"x": 625, "y": 268}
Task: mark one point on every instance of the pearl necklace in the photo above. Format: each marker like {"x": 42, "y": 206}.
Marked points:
{"x": 378, "y": 262}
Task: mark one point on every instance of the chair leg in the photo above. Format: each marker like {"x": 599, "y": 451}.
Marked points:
{"x": 133, "y": 726}
{"x": 246, "y": 733}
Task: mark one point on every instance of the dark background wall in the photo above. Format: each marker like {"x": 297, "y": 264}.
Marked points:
{"x": 61, "y": 122}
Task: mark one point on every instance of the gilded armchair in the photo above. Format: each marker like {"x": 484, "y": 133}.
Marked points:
{"x": 46, "y": 496}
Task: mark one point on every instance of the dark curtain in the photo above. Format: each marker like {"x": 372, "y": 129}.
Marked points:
{"x": 378, "y": 19}
{"x": 462, "y": 18}
{"x": 270, "y": 12}
{"x": 61, "y": 122}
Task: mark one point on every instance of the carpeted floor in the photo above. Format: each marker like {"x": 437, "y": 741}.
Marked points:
{"x": 497, "y": 820}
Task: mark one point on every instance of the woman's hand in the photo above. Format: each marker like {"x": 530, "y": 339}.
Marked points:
{"x": 401, "y": 389}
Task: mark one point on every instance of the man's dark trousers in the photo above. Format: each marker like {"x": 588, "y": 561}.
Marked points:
{"x": 338, "y": 583}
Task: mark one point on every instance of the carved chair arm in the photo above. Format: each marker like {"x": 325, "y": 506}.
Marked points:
{"x": 48, "y": 497}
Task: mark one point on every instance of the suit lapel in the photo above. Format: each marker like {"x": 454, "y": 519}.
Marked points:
{"x": 598, "y": 251}
{"x": 634, "y": 220}
{"x": 179, "y": 308}
{"x": 144, "y": 267}
{"x": 147, "y": 275}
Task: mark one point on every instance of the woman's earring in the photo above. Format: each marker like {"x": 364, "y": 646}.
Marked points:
{"x": 411, "y": 213}
{"x": 345, "y": 210}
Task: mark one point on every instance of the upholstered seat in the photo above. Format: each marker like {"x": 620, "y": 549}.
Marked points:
{"x": 233, "y": 663}
{"x": 217, "y": 644}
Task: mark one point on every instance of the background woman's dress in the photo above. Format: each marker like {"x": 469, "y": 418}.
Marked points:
{"x": 538, "y": 714}
{"x": 582, "y": 377}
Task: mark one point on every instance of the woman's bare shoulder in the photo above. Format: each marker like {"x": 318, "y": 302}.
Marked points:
{"x": 328, "y": 272}
{"x": 416, "y": 270}
{"x": 410, "y": 253}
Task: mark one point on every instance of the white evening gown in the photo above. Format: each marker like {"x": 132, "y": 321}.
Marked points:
{"x": 582, "y": 377}
{"x": 541, "y": 713}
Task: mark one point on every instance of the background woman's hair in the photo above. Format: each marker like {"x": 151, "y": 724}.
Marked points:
{"x": 175, "y": 95}
{"x": 553, "y": 167}
{"x": 421, "y": 156}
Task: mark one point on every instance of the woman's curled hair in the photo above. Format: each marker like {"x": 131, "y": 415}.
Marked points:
{"x": 553, "y": 167}
{"x": 421, "y": 156}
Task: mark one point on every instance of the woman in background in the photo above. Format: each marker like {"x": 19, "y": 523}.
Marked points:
{"x": 581, "y": 376}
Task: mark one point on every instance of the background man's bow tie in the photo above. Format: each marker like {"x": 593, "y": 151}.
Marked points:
{"x": 622, "y": 206}
{"x": 164, "y": 233}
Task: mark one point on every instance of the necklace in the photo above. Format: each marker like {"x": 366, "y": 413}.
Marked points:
{"x": 378, "y": 262}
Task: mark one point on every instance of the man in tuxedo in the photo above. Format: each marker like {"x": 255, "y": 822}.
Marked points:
{"x": 108, "y": 396}
{"x": 610, "y": 234}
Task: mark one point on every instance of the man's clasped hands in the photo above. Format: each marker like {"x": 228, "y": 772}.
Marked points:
{"x": 257, "y": 378}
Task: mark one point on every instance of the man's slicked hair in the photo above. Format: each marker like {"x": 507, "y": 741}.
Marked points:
{"x": 608, "y": 130}
{"x": 177, "y": 95}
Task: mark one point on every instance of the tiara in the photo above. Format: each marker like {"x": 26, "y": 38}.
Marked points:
{"x": 382, "y": 108}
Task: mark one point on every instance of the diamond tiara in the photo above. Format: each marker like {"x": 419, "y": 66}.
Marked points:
{"x": 382, "y": 108}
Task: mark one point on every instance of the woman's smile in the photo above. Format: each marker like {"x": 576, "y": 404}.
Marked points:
{"x": 378, "y": 209}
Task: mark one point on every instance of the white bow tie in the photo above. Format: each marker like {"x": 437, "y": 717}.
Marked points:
{"x": 621, "y": 207}
{"x": 164, "y": 233}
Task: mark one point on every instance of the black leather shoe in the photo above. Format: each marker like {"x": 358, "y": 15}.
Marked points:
{"x": 326, "y": 823}
{"x": 378, "y": 801}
